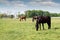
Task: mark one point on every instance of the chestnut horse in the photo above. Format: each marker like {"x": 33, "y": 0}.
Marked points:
{"x": 22, "y": 17}
{"x": 41, "y": 20}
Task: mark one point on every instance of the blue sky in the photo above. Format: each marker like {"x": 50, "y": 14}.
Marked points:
{"x": 14, "y": 6}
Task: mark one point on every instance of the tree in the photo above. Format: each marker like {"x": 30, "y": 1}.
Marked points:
{"x": 18, "y": 15}
{"x": 28, "y": 13}
{"x": 46, "y": 13}
{"x": 11, "y": 16}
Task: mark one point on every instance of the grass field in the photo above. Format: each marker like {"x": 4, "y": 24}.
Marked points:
{"x": 13, "y": 29}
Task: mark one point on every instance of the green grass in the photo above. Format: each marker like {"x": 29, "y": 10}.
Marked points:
{"x": 13, "y": 29}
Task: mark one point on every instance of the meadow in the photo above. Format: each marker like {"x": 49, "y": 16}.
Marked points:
{"x": 13, "y": 29}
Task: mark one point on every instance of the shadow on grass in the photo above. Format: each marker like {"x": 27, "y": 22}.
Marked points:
{"x": 56, "y": 28}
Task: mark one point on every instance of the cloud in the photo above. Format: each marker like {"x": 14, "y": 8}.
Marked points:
{"x": 16, "y": 3}
{"x": 41, "y": 0}
{"x": 43, "y": 3}
{"x": 20, "y": 5}
{"x": 49, "y": 3}
{"x": 12, "y": 6}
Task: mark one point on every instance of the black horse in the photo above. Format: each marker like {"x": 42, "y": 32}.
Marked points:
{"x": 34, "y": 18}
{"x": 41, "y": 20}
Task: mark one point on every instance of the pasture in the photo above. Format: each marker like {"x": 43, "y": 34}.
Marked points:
{"x": 13, "y": 29}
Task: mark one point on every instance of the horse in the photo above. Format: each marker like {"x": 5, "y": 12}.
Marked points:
{"x": 22, "y": 17}
{"x": 41, "y": 20}
{"x": 34, "y": 18}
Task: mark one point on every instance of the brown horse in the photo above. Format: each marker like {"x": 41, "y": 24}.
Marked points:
{"x": 41, "y": 20}
{"x": 22, "y": 17}
{"x": 34, "y": 18}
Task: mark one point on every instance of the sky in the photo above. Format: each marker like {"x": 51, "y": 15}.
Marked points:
{"x": 15, "y": 6}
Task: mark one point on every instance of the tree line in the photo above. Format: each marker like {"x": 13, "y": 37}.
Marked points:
{"x": 31, "y": 13}
{"x": 6, "y": 16}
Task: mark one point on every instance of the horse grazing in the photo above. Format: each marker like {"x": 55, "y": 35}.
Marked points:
{"x": 34, "y": 18}
{"x": 22, "y": 17}
{"x": 41, "y": 20}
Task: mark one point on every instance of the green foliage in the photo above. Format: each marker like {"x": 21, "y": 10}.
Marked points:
{"x": 46, "y": 13}
{"x": 6, "y": 16}
{"x": 54, "y": 15}
{"x": 31, "y": 13}
{"x": 11, "y": 16}
{"x": 3, "y": 15}
{"x": 28, "y": 13}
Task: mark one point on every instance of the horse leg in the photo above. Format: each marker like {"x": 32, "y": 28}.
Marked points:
{"x": 33, "y": 20}
{"x": 25, "y": 19}
{"x": 40, "y": 26}
{"x": 49, "y": 25}
{"x": 37, "y": 26}
{"x": 20, "y": 19}
{"x": 43, "y": 25}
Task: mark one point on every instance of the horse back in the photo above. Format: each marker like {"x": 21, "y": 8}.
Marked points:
{"x": 44, "y": 19}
